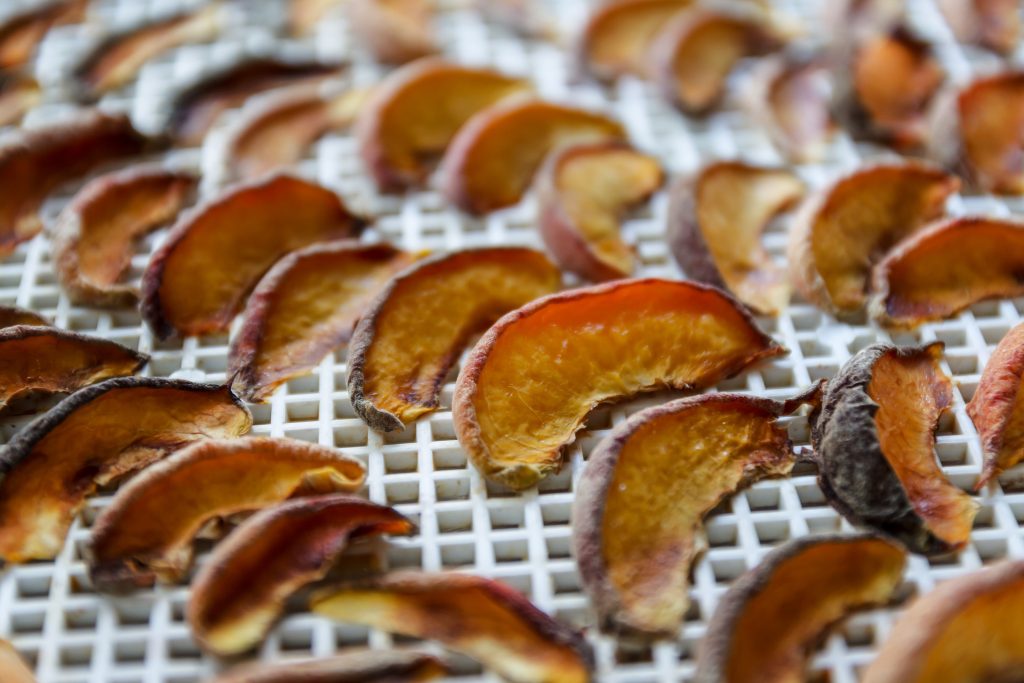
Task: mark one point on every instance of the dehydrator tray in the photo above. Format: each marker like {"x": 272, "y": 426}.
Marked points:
{"x": 70, "y": 634}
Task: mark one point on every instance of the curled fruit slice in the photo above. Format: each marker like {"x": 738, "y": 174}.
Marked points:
{"x": 393, "y": 31}
{"x": 352, "y": 666}
{"x": 637, "y": 518}
{"x": 22, "y": 33}
{"x": 715, "y": 221}
{"x": 997, "y": 408}
{"x": 147, "y": 531}
{"x": 94, "y": 237}
{"x": 199, "y": 278}
{"x": 13, "y": 315}
{"x": 241, "y": 591}
{"x": 412, "y": 334}
{"x": 12, "y": 668}
{"x": 491, "y": 161}
{"x": 583, "y": 193}
{"x": 966, "y": 630}
{"x": 304, "y": 307}
{"x": 484, "y": 619}
{"x": 843, "y": 228}
{"x": 874, "y": 442}
{"x": 397, "y": 143}
{"x": 943, "y": 269}
{"x": 94, "y": 437}
{"x": 18, "y": 94}
{"x": 531, "y": 380}
{"x": 995, "y": 24}
{"x": 776, "y": 612}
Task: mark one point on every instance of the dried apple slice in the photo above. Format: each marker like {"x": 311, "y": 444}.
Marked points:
{"x": 242, "y": 590}
{"x": 412, "y": 334}
{"x": 22, "y": 32}
{"x": 397, "y": 143}
{"x": 18, "y": 93}
{"x": 14, "y": 315}
{"x": 530, "y": 381}
{"x": 95, "y": 235}
{"x": 201, "y": 275}
{"x": 484, "y": 619}
{"x": 994, "y": 24}
{"x": 583, "y": 192}
{"x": 351, "y": 666}
{"x": 305, "y": 306}
{"x": 393, "y": 31}
{"x": 92, "y": 438}
{"x": 147, "y": 532}
{"x": 715, "y": 221}
{"x": 774, "y": 614}
{"x": 997, "y": 408}
{"x": 966, "y": 630}
{"x": 492, "y": 159}
{"x": 12, "y": 668}
{"x": 842, "y": 229}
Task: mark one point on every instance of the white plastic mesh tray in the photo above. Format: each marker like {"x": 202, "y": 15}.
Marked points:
{"x": 73, "y": 635}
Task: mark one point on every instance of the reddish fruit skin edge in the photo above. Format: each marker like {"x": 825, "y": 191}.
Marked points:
{"x": 992, "y": 405}
{"x": 363, "y": 666}
{"x": 15, "y": 315}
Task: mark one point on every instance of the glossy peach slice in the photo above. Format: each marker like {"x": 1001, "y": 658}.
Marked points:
{"x": 530, "y": 381}
{"x": 393, "y": 31}
{"x": 12, "y": 668}
{"x": 15, "y": 315}
{"x": 997, "y": 408}
{"x": 618, "y": 35}
{"x": 351, "y": 666}
{"x": 18, "y": 93}
{"x": 413, "y": 332}
{"x": 22, "y": 32}
{"x": 994, "y": 24}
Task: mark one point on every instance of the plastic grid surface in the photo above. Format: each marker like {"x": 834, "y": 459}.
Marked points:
{"x": 73, "y": 635}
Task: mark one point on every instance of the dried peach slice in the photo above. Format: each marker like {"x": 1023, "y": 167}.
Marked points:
{"x": 350, "y": 666}
{"x": 14, "y": 315}
{"x": 393, "y": 31}
{"x": 583, "y": 192}
{"x": 715, "y": 221}
{"x": 147, "y": 531}
{"x": 95, "y": 235}
{"x": 408, "y": 340}
{"x": 966, "y": 630}
{"x": 18, "y": 93}
{"x": 21, "y": 33}
{"x": 874, "y": 443}
{"x": 997, "y": 408}
{"x": 201, "y": 275}
{"x": 93, "y": 437}
{"x": 492, "y": 159}
{"x": 775, "y": 613}
{"x": 305, "y": 15}
{"x": 484, "y": 619}
{"x": 241, "y": 591}
{"x": 994, "y": 24}
{"x": 530, "y": 381}
{"x": 525, "y": 17}
{"x": 305, "y": 306}
{"x": 12, "y": 668}
{"x": 397, "y": 143}
{"x": 842, "y": 229}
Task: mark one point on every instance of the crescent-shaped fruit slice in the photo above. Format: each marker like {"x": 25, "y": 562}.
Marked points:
{"x": 997, "y": 408}
{"x": 12, "y": 668}
{"x": 774, "y": 614}
{"x": 397, "y": 143}
{"x": 530, "y": 381}
{"x": 241, "y": 591}
{"x": 640, "y": 504}
{"x": 842, "y": 229}
{"x": 147, "y": 531}
{"x": 393, "y": 31}
{"x": 492, "y": 159}
{"x": 93, "y": 437}
{"x": 715, "y": 222}
{"x": 484, "y": 619}
{"x": 13, "y": 315}
{"x": 22, "y": 32}
{"x": 414, "y": 331}
{"x": 201, "y": 275}
{"x": 305, "y": 306}
{"x": 95, "y": 235}
{"x": 351, "y": 666}
{"x": 994, "y": 24}
{"x": 967, "y": 630}
{"x": 874, "y": 443}
{"x": 19, "y": 92}
{"x": 583, "y": 192}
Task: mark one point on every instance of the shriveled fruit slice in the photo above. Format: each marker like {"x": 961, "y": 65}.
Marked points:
{"x": 95, "y": 235}
{"x": 941, "y": 270}
{"x": 640, "y": 504}
{"x": 18, "y": 93}
{"x": 775, "y": 613}
{"x": 13, "y": 315}
{"x": 492, "y": 159}
{"x": 842, "y": 229}
{"x": 351, "y": 666}
{"x": 484, "y": 619}
{"x": 874, "y": 443}
{"x": 967, "y": 630}
{"x": 12, "y": 668}
{"x": 242, "y": 590}
{"x": 413, "y": 332}
{"x": 393, "y": 31}
{"x": 22, "y": 32}
{"x": 305, "y": 15}
{"x": 305, "y": 306}
{"x": 201, "y": 275}
{"x": 583, "y": 192}
{"x": 715, "y": 221}
{"x": 147, "y": 532}
{"x": 997, "y": 408}
{"x": 995, "y": 24}
{"x": 397, "y": 142}
{"x": 94, "y": 437}
{"x": 530, "y": 381}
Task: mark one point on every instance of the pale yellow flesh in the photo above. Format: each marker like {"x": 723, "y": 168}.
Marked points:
{"x": 705, "y": 58}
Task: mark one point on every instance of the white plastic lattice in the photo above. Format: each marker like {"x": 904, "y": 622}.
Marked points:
{"x": 73, "y": 635}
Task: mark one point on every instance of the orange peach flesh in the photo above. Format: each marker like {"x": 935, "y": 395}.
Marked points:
{"x": 12, "y": 668}
{"x": 394, "y": 31}
{"x": 305, "y": 15}
{"x": 618, "y": 39}
{"x": 991, "y": 121}
{"x": 20, "y": 38}
{"x": 18, "y": 94}
{"x": 703, "y": 59}
{"x": 997, "y": 407}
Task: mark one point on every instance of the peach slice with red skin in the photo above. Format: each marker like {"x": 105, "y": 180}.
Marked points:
{"x": 413, "y": 332}
{"x": 997, "y": 408}
{"x": 483, "y": 619}
{"x": 583, "y": 192}
{"x": 514, "y": 413}
{"x": 15, "y": 315}
{"x": 993, "y": 24}
{"x": 241, "y": 591}
{"x": 350, "y": 666}
{"x": 393, "y": 31}
{"x": 12, "y": 668}
{"x": 18, "y": 93}
{"x": 21, "y": 33}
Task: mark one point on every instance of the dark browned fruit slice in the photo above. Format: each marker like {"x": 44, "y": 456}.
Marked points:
{"x": 13, "y": 315}
{"x": 393, "y": 31}
{"x": 997, "y": 408}
{"x": 22, "y": 32}
{"x": 995, "y": 24}
{"x": 352, "y": 666}
{"x": 12, "y": 668}
{"x": 19, "y": 92}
